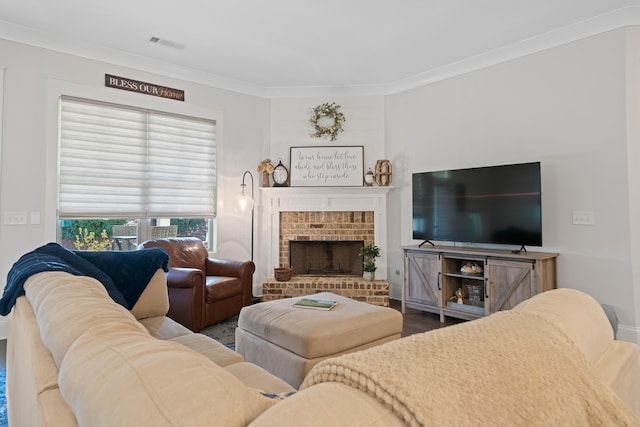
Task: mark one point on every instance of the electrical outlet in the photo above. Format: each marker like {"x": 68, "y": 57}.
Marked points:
{"x": 583, "y": 218}
{"x": 35, "y": 217}
{"x": 15, "y": 218}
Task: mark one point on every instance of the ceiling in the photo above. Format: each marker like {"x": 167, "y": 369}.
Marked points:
{"x": 306, "y": 48}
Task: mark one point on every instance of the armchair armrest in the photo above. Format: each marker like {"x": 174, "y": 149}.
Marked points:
{"x": 180, "y": 277}
{"x": 186, "y": 289}
{"x": 241, "y": 269}
{"x": 229, "y": 268}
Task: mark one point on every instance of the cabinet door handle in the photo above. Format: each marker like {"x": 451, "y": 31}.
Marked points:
{"x": 439, "y": 275}
{"x": 486, "y": 289}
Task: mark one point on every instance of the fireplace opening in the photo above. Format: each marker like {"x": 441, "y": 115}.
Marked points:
{"x": 325, "y": 257}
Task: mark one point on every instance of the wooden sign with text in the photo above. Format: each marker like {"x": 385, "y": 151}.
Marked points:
{"x": 142, "y": 87}
{"x": 334, "y": 166}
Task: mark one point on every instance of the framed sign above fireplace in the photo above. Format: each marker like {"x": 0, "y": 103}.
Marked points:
{"x": 331, "y": 166}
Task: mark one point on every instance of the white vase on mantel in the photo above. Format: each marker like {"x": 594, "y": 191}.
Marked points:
{"x": 368, "y": 276}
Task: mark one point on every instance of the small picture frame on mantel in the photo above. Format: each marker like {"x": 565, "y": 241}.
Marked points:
{"x": 327, "y": 166}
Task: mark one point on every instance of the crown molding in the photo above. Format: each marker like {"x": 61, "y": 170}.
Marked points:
{"x": 623, "y": 17}
{"x": 626, "y": 16}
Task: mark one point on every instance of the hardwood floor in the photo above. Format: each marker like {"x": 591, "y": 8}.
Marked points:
{"x": 416, "y": 321}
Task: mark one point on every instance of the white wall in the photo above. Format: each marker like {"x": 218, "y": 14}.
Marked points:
{"x": 564, "y": 107}
{"x": 28, "y": 157}
{"x": 633, "y": 160}
{"x": 364, "y": 125}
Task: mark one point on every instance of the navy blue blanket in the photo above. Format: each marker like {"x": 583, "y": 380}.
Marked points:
{"x": 123, "y": 274}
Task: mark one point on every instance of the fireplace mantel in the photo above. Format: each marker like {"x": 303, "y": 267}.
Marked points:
{"x": 273, "y": 200}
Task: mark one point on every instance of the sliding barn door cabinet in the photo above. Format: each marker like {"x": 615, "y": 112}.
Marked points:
{"x": 470, "y": 283}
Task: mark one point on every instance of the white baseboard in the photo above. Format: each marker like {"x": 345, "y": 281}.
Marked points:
{"x": 628, "y": 333}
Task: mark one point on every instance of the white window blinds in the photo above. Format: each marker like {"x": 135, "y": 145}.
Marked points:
{"x": 121, "y": 162}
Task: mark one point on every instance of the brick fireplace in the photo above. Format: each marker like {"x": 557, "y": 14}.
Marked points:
{"x": 317, "y": 213}
{"x": 341, "y": 231}
{"x": 325, "y": 257}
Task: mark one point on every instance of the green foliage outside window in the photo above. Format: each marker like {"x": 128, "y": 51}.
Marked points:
{"x": 87, "y": 241}
{"x": 70, "y": 227}
{"x": 94, "y": 234}
{"x": 191, "y": 227}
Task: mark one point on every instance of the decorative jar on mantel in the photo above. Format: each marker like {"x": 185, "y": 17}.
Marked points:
{"x": 369, "y": 178}
{"x": 265, "y": 179}
{"x": 383, "y": 173}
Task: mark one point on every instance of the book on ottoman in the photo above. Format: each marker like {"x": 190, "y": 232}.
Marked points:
{"x": 316, "y": 304}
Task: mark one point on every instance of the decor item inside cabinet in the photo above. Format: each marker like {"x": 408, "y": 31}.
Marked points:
{"x": 463, "y": 286}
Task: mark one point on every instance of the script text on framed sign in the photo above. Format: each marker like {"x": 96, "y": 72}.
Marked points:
{"x": 330, "y": 166}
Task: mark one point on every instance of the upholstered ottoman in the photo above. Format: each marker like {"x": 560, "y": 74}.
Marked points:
{"x": 288, "y": 341}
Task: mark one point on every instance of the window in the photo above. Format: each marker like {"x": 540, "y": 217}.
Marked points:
{"x": 127, "y": 166}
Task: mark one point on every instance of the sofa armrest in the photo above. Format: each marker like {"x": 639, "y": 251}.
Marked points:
{"x": 179, "y": 277}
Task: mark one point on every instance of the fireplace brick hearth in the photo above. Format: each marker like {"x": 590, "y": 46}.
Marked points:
{"x": 375, "y": 292}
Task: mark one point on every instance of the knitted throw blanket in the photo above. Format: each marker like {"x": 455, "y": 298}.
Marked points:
{"x": 511, "y": 368}
{"x": 124, "y": 274}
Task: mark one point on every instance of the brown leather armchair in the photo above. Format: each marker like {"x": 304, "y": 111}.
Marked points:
{"x": 203, "y": 290}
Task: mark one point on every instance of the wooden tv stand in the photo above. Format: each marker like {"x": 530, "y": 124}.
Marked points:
{"x": 432, "y": 275}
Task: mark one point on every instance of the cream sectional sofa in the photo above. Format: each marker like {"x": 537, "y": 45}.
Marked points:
{"x": 75, "y": 357}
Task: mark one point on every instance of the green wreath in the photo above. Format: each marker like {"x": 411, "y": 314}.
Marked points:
{"x": 331, "y": 111}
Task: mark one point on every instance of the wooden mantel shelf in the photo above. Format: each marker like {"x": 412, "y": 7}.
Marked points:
{"x": 334, "y": 190}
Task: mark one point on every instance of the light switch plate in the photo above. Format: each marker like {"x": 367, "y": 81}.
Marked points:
{"x": 583, "y": 218}
{"x": 15, "y": 218}
{"x": 34, "y": 217}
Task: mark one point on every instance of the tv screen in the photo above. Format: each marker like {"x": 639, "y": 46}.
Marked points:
{"x": 492, "y": 205}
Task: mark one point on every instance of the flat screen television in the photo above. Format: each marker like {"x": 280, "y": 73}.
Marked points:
{"x": 499, "y": 205}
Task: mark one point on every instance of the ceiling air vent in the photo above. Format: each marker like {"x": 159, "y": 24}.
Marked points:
{"x": 166, "y": 43}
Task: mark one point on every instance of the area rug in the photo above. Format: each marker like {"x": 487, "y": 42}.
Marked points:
{"x": 223, "y": 332}
{"x": 3, "y": 399}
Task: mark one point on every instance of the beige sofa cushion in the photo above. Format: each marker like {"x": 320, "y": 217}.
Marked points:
{"x": 576, "y": 313}
{"x": 116, "y": 377}
{"x": 56, "y": 409}
{"x": 255, "y": 377}
{"x": 330, "y": 404}
{"x": 619, "y": 368}
{"x": 217, "y": 352}
{"x": 164, "y": 328}
{"x": 581, "y": 317}
{"x": 154, "y": 300}
{"x": 66, "y": 306}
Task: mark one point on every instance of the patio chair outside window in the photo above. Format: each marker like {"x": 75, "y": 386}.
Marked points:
{"x": 164, "y": 231}
{"x": 126, "y": 236}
